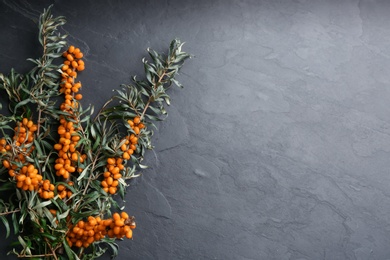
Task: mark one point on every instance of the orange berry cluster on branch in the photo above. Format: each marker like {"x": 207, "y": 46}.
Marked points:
{"x": 122, "y": 226}
{"x": 84, "y": 233}
{"x": 63, "y": 192}
{"x": 112, "y": 176}
{"x": 4, "y": 147}
{"x": 27, "y": 176}
{"x": 68, "y": 156}
{"x": 130, "y": 144}
{"x": 25, "y": 132}
{"x": 136, "y": 124}
{"x": 23, "y": 137}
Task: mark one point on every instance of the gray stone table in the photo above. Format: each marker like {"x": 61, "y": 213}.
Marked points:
{"x": 278, "y": 147}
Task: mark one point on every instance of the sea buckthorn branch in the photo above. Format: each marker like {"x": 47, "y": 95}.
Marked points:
{"x": 62, "y": 181}
{"x": 144, "y": 98}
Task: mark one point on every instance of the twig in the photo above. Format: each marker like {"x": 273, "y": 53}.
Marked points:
{"x": 9, "y": 212}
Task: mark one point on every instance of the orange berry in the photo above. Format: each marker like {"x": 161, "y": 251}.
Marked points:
{"x": 75, "y": 156}
{"x": 76, "y": 138}
{"x": 62, "y": 194}
{"x": 81, "y": 224}
{"x": 69, "y": 57}
{"x": 30, "y": 168}
{"x": 76, "y": 229}
{"x": 111, "y": 160}
{"x": 46, "y": 186}
{"x": 110, "y": 233}
{"x": 58, "y": 166}
{"x": 60, "y": 187}
{"x": 116, "y": 216}
{"x": 126, "y": 229}
{"x": 79, "y": 55}
{"x": 129, "y": 234}
{"x": 107, "y": 222}
{"x": 71, "y": 49}
{"x": 78, "y": 97}
{"x": 137, "y": 120}
{"x": 91, "y": 239}
{"x": 117, "y": 176}
{"x": 104, "y": 184}
{"x": 27, "y": 181}
{"x": 71, "y": 169}
{"x": 109, "y": 181}
{"x": 117, "y": 230}
{"x": 124, "y": 215}
{"x": 126, "y": 156}
{"x": 119, "y": 223}
{"x": 45, "y": 195}
{"x": 6, "y": 164}
{"x": 92, "y": 221}
{"x": 79, "y": 243}
{"x": 11, "y": 173}
{"x": 112, "y": 190}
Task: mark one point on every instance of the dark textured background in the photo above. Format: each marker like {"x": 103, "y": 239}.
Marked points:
{"x": 279, "y": 145}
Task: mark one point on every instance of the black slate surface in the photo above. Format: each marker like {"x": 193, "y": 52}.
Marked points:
{"x": 279, "y": 145}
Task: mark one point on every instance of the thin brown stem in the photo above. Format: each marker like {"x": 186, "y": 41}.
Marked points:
{"x": 42, "y": 76}
{"x": 150, "y": 100}
{"x": 103, "y": 107}
{"x": 9, "y": 212}
{"x": 31, "y": 256}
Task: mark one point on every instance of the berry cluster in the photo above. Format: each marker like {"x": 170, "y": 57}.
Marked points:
{"x": 130, "y": 143}
{"x": 136, "y": 124}
{"x": 4, "y": 147}
{"x": 68, "y": 157}
{"x": 112, "y": 175}
{"x": 94, "y": 229}
{"x": 121, "y": 226}
{"x": 63, "y": 192}
{"x": 26, "y": 175}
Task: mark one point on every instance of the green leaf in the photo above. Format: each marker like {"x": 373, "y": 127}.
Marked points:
{"x": 15, "y": 223}
{"x": 6, "y": 225}
{"x": 38, "y": 147}
{"x": 22, "y": 103}
{"x": 83, "y": 173}
{"x": 69, "y": 252}
{"x": 42, "y": 204}
{"x": 177, "y": 83}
